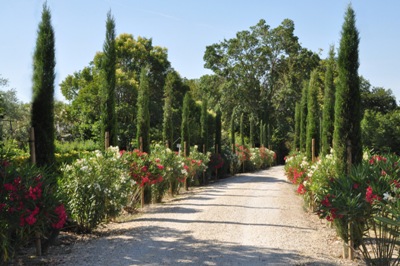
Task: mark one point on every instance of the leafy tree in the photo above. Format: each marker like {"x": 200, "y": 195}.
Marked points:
{"x": 185, "y": 133}
{"x": 296, "y": 139}
{"x": 377, "y": 98}
{"x": 347, "y": 104}
{"x": 42, "y": 114}
{"x": 312, "y": 115}
{"x": 303, "y": 117}
{"x": 381, "y": 132}
{"x": 204, "y": 124}
{"x": 108, "y": 116}
{"x": 143, "y": 115}
{"x": 328, "y": 114}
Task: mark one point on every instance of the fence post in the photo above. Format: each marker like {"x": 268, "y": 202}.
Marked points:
{"x": 313, "y": 150}
{"x": 32, "y": 145}
{"x": 184, "y": 154}
{"x": 107, "y": 140}
{"x": 142, "y": 188}
{"x": 204, "y": 173}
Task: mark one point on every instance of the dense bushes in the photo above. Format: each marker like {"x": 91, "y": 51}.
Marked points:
{"x": 364, "y": 206}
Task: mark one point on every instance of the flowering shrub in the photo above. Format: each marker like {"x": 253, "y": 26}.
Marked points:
{"x": 261, "y": 157}
{"x": 95, "y": 187}
{"x": 196, "y": 164}
{"x": 244, "y": 155}
{"x": 28, "y": 205}
{"x": 143, "y": 170}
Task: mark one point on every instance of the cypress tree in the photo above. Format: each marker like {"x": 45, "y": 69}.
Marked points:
{"x": 143, "y": 115}
{"x": 328, "y": 114}
{"x": 252, "y": 131}
{"x": 296, "y": 138}
{"x": 347, "y": 97}
{"x": 241, "y": 129}
{"x": 218, "y": 128}
{"x": 168, "y": 126}
{"x": 233, "y": 132}
{"x": 203, "y": 124}
{"x": 42, "y": 112}
{"x": 303, "y": 117}
{"x": 185, "y": 134}
{"x": 312, "y": 115}
{"x": 108, "y": 117}
{"x": 261, "y": 133}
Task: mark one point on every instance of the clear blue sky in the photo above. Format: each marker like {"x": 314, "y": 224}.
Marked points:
{"x": 186, "y": 27}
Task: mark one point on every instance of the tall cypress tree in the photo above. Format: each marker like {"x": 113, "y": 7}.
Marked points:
{"x": 168, "y": 126}
{"x": 296, "y": 138}
{"x": 185, "y": 133}
{"x": 328, "y": 114}
{"x": 218, "y": 128}
{"x": 303, "y": 117}
{"x": 241, "y": 129}
{"x": 233, "y": 132}
{"x": 143, "y": 115}
{"x": 347, "y": 129}
{"x": 42, "y": 112}
{"x": 203, "y": 124}
{"x": 108, "y": 117}
{"x": 312, "y": 115}
{"x": 252, "y": 131}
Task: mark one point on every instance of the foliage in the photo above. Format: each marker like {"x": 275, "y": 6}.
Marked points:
{"x": 376, "y": 98}
{"x": 168, "y": 120}
{"x": 347, "y": 104}
{"x": 95, "y": 187}
{"x": 262, "y": 158}
{"x": 381, "y": 132}
{"x": 328, "y": 113}
{"x": 363, "y": 206}
{"x": 296, "y": 138}
{"x": 108, "y": 115}
{"x": 42, "y": 113}
{"x": 218, "y": 133}
{"x": 28, "y": 205}
{"x": 204, "y": 124}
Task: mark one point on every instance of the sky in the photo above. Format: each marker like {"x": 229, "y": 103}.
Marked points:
{"x": 186, "y": 27}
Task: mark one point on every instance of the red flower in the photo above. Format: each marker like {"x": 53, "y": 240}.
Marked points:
{"x": 356, "y": 186}
{"x": 10, "y": 187}
{"x": 2, "y": 205}
{"x": 144, "y": 169}
{"x": 370, "y": 197}
{"x": 383, "y": 173}
{"x": 62, "y": 217}
{"x": 301, "y": 189}
{"x": 325, "y": 202}
{"x": 159, "y": 166}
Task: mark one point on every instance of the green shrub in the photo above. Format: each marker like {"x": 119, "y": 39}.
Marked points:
{"x": 95, "y": 188}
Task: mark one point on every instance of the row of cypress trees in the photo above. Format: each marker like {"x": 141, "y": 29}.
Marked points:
{"x": 341, "y": 114}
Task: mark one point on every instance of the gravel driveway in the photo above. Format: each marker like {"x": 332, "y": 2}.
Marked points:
{"x": 249, "y": 219}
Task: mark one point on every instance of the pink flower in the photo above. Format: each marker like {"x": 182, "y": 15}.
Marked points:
{"x": 370, "y": 197}
{"x": 159, "y": 166}
{"x": 325, "y": 202}
{"x": 2, "y": 205}
{"x": 355, "y": 186}
{"x": 383, "y": 173}
{"x": 10, "y": 187}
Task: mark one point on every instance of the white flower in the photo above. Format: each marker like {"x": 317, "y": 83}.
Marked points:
{"x": 388, "y": 197}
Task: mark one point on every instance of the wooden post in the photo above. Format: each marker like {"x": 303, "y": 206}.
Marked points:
{"x": 32, "y": 145}
{"x": 184, "y": 154}
{"x": 313, "y": 150}
{"x": 167, "y": 144}
{"x": 38, "y": 244}
{"x": 351, "y": 244}
{"x": 216, "y": 170}
{"x": 204, "y": 173}
{"x": 142, "y": 188}
{"x": 349, "y": 155}
{"x": 107, "y": 140}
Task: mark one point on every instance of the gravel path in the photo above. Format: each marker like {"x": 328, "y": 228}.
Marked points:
{"x": 249, "y": 219}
